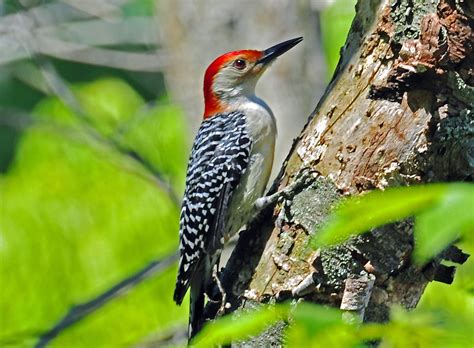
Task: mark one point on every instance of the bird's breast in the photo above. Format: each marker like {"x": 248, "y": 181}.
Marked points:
{"x": 261, "y": 127}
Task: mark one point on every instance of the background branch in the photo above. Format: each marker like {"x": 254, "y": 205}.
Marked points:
{"x": 80, "y": 311}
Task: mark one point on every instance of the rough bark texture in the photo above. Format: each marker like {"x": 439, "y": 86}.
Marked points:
{"x": 398, "y": 112}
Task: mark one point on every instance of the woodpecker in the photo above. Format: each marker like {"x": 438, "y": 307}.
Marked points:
{"x": 228, "y": 170}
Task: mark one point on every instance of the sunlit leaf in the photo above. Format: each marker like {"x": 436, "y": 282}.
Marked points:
{"x": 336, "y": 20}
{"x": 359, "y": 214}
{"x": 443, "y": 212}
{"x": 444, "y": 223}
{"x": 108, "y": 103}
{"x": 239, "y": 326}
{"x": 319, "y": 326}
{"x": 161, "y": 127}
{"x": 421, "y": 328}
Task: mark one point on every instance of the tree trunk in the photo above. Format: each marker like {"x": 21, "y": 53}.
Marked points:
{"x": 398, "y": 112}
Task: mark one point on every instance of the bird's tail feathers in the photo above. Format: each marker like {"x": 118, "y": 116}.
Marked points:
{"x": 196, "y": 309}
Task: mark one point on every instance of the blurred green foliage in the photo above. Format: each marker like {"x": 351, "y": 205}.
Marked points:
{"x": 139, "y": 8}
{"x": 78, "y": 216}
{"x": 238, "y": 326}
{"x": 311, "y": 325}
{"x": 336, "y": 20}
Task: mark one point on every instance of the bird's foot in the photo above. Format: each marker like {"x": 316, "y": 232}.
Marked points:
{"x": 304, "y": 179}
{"x": 223, "y": 299}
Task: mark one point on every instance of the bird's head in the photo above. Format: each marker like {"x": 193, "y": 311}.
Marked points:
{"x": 233, "y": 76}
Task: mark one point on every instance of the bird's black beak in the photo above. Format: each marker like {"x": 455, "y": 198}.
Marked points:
{"x": 270, "y": 54}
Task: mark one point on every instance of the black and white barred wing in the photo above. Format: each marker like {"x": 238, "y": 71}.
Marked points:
{"x": 219, "y": 157}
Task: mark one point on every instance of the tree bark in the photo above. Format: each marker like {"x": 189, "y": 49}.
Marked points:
{"x": 397, "y": 112}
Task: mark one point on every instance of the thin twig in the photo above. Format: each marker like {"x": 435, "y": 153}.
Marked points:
{"x": 80, "y": 311}
{"x": 65, "y": 32}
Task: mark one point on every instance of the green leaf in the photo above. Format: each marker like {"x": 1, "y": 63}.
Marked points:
{"x": 108, "y": 102}
{"x": 316, "y": 317}
{"x": 139, "y": 8}
{"x": 420, "y": 328}
{"x": 158, "y": 135}
{"x": 308, "y": 323}
{"x": 359, "y": 214}
{"x": 440, "y": 226}
{"x": 319, "y": 326}
{"x": 336, "y": 20}
{"x": 443, "y": 212}
{"x": 239, "y": 326}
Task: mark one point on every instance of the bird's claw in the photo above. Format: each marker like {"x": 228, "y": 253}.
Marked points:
{"x": 223, "y": 294}
{"x": 305, "y": 178}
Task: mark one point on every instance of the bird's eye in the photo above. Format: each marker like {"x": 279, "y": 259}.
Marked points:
{"x": 240, "y": 64}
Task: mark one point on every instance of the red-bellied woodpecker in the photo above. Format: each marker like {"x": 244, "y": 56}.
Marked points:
{"x": 228, "y": 170}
